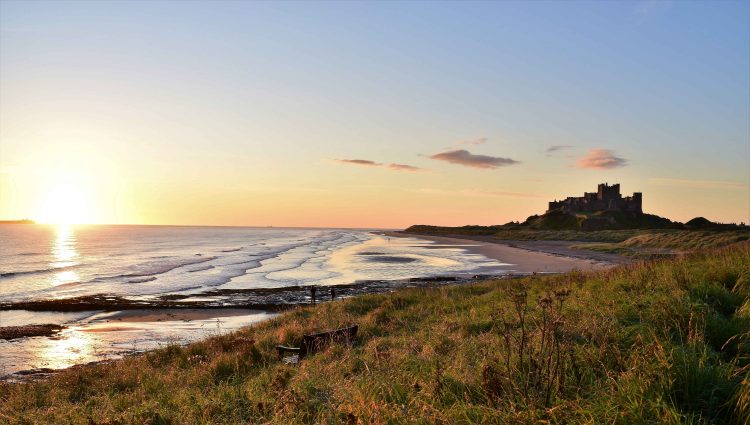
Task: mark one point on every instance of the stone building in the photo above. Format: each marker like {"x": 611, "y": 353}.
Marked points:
{"x": 606, "y": 198}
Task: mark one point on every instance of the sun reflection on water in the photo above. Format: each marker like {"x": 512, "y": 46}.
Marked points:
{"x": 64, "y": 254}
{"x": 68, "y": 348}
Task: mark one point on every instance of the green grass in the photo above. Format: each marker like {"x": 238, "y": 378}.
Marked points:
{"x": 663, "y": 341}
{"x": 668, "y": 241}
{"x": 507, "y": 232}
{"x": 569, "y": 235}
{"x": 632, "y": 242}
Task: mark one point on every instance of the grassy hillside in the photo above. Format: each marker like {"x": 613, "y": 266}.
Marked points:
{"x": 624, "y": 241}
{"x": 677, "y": 241}
{"x": 602, "y": 220}
{"x": 580, "y": 224}
{"x": 658, "y": 342}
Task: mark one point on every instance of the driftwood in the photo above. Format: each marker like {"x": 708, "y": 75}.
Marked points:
{"x": 312, "y": 343}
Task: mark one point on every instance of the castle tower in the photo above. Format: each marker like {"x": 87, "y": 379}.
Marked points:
{"x": 606, "y": 192}
{"x": 638, "y": 202}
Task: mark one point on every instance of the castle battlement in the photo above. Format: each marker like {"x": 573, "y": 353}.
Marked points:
{"x": 606, "y": 198}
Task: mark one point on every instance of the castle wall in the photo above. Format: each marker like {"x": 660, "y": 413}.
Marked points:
{"x": 606, "y": 198}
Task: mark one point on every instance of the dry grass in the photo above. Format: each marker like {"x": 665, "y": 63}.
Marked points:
{"x": 657, "y": 342}
{"x": 668, "y": 241}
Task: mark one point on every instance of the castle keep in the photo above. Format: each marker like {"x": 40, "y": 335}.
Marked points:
{"x": 606, "y": 198}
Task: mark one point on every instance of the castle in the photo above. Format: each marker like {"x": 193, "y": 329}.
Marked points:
{"x": 606, "y": 198}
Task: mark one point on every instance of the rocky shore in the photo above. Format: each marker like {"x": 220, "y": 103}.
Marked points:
{"x": 269, "y": 299}
{"x": 13, "y": 332}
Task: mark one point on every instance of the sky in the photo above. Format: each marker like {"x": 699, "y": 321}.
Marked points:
{"x": 370, "y": 114}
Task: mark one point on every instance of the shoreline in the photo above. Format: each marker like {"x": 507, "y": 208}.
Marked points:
{"x": 407, "y": 338}
{"x": 115, "y": 318}
{"x": 124, "y": 333}
{"x": 117, "y": 314}
{"x": 525, "y": 256}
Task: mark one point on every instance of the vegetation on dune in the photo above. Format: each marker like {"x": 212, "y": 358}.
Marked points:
{"x": 568, "y": 235}
{"x": 687, "y": 240}
{"x": 580, "y": 222}
{"x": 662, "y": 341}
{"x": 632, "y": 242}
{"x": 604, "y": 226}
{"x": 470, "y": 230}
{"x": 649, "y": 243}
{"x": 600, "y": 220}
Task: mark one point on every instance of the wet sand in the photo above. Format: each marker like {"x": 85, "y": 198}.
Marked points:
{"x": 114, "y": 327}
{"x": 521, "y": 260}
{"x": 182, "y": 314}
{"x": 104, "y": 336}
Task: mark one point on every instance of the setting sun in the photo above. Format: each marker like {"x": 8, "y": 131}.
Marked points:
{"x": 65, "y": 203}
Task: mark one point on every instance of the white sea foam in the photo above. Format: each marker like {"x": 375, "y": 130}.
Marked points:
{"x": 144, "y": 261}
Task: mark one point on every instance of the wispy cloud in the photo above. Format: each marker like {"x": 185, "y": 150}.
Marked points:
{"x": 556, "y": 148}
{"x": 404, "y": 167}
{"x": 365, "y": 162}
{"x": 481, "y": 193}
{"x": 700, "y": 184}
{"x": 368, "y": 163}
{"x": 601, "y": 159}
{"x": 468, "y": 159}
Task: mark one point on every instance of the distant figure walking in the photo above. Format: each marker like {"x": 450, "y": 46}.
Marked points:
{"x": 312, "y": 293}
{"x": 333, "y": 294}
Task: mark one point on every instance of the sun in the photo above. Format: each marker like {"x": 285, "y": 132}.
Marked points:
{"x": 65, "y": 203}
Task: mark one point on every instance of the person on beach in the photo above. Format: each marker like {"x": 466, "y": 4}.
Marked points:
{"x": 333, "y": 294}
{"x": 312, "y": 293}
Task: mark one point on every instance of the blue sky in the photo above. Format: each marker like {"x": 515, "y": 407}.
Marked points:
{"x": 251, "y": 100}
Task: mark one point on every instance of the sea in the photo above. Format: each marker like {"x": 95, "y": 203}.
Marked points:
{"x": 150, "y": 263}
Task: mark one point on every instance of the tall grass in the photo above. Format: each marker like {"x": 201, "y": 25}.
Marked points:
{"x": 664, "y": 341}
{"x": 625, "y": 239}
{"x": 668, "y": 241}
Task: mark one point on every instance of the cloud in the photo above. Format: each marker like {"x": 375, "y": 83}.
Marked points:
{"x": 368, "y": 163}
{"x": 365, "y": 162}
{"x": 601, "y": 159}
{"x": 404, "y": 167}
{"x": 555, "y": 148}
{"x": 468, "y": 159}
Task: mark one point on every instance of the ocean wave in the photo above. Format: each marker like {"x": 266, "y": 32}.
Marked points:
{"x": 153, "y": 268}
{"x": 67, "y": 285}
{"x": 37, "y": 271}
{"x": 142, "y": 279}
{"x": 391, "y": 259}
{"x": 284, "y": 258}
{"x": 200, "y": 269}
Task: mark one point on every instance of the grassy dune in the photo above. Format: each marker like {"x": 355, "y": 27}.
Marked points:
{"x": 634, "y": 242}
{"x": 668, "y": 241}
{"x": 657, "y": 342}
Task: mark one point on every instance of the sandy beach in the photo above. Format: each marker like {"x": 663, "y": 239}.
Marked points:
{"x": 523, "y": 260}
